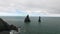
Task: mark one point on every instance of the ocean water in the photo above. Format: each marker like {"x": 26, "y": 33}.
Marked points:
{"x": 48, "y": 25}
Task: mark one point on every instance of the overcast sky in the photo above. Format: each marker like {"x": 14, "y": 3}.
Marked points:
{"x": 31, "y": 7}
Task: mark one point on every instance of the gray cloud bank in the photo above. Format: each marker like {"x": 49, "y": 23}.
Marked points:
{"x": 44, "y": 6}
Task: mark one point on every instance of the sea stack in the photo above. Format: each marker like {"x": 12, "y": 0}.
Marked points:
{"x": 39, "y": 19}
{"x": 27, "y": 19}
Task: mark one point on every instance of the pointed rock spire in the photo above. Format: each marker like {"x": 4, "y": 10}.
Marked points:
{"x": 27, "y": 19}
{"x": 39, "y": 20}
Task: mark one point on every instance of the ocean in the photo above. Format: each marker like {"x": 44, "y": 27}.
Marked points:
{"x": 48, "y": 25}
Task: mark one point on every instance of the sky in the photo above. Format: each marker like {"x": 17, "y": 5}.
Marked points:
{"x": 31, "y": 7}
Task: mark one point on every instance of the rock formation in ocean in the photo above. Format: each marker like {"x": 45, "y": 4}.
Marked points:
{"x": 27, "y": 19}
{"x": 39, "y": 20}
{"x": 4, "y": 26}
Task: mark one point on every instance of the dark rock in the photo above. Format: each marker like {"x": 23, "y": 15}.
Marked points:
{"x": 4, "y": 26}
{"x": 5, "y": 32}
{"x": 27, "y": 19}
{"x": 39, "y": 20}
{"x": 12, "y": 27}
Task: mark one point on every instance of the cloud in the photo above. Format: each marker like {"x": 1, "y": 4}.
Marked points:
{"x": 32, "y": 7}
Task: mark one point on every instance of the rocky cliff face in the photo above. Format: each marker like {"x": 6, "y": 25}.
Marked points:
{"x": 5, "y": 26}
